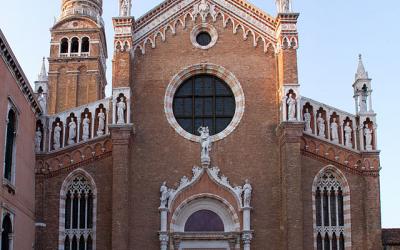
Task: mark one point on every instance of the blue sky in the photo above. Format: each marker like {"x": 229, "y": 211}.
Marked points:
{"x": 332, "y": 34}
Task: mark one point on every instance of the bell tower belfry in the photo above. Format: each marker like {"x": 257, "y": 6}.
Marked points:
{"x": 78, "y": 53}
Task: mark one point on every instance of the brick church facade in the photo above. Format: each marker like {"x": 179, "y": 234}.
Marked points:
{"x": 206, "y": 141}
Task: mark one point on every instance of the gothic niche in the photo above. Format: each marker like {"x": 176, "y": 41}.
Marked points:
{"x": 348, "y": 133}
{"x": 369, "y": 135}
{"x": 100, "y": 121}
{"x": 321, "y": 123}
{"x": 57, "y": 135}
{"x": 334, "y": 127}
{"x": 308, "y": 117}
{"x": 39, "y": 136}
{"x": 71, "y": 129}
{"x": 291, "y": 105}
{"x": 86, "y": 118}
{"x": 121, "y": 109}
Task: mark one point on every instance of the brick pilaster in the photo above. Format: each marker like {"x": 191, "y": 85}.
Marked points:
{"x": 292, "y": 202}
{"x": 121, "y": 136}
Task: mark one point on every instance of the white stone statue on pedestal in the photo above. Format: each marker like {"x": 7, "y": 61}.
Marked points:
{"x": 124, "y": 8}
{"x": 368, "y": 138}
{"x": 347, "y": 135}
{"x": 205, "y": 142}
{"x": 72, "y": 132}
{"x": 38, "y": 140}
{"x": 307, "y": 120}
{"x": 85, "y": 128}
{"x": 283, "y": 6}
{"x": 57, "y": 136}
{"x": 291, "y": 102}
{"x": 102, "y": 118}
{"x": 164, "y": 195}
{"x": 121, "y": 106}
{"x": 334, "y": 131}
{"x": 321, "y": 125}
{"x": 42, "y": 102}
{"x": 363, "y": 103}
{"x": 247, "y": 189}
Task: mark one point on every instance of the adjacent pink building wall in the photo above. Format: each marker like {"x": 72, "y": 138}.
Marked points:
{"x": 21, "y": 204}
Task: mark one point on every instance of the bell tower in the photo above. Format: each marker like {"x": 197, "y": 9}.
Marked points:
{"x": 78, "y": 53}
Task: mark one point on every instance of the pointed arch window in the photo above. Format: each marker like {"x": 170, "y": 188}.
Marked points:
{"x": 77, "y": 229}
{"x": 10, "y": 144}
{"x": 329, "y": 193}
{"x": 7, "y": 232}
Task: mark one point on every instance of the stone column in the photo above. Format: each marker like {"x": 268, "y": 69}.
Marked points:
{"x": 292, "y": 203}
{"x": 247, "y": 234}
{"x": 121, "y": 136}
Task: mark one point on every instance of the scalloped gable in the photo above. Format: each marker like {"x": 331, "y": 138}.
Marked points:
{"x": 242, "y": 14}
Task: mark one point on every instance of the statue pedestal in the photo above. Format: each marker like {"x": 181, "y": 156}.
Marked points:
{"x": 205, "y": 161}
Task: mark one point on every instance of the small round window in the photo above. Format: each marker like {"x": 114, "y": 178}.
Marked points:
{"x": 203, "y": 38}
{"x": 204, "y": 100}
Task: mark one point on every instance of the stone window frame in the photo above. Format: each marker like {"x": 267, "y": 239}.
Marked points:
{"x": 346, "y": 205}
{"x": 11, "y": 183}
{"x": 204, "y": 27}
{"x": 211, "y": 69}
{"x": 79, "y": 53}
{"x": 5, "y": 210}
{"x": 63, "y": 193}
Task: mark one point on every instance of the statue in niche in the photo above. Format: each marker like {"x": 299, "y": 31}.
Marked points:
{"x": 368, "y": 137}
{"x": 334, "y": 130}
{"x": 164, "y": 195}
{"x": 347, "y": 135}
{"x": 205, "y": 141}
{"x": 307, "y": 120}
{"x": 121, "y": 106}
{"x": 57, "y": 136}
{"x": 38, "y": 140}
{"x": 291, "y": 102}
{"x": 42, "y": 102}
{"x": 247, "y": 189}
{"x": 363, "y": 102}
{"x": 85, "y": 128}
{"x": 321, "y": 125}
{"x": 72, "y": 132}
{"x": 102, "y": 119}
{"x": 125, "y": 8}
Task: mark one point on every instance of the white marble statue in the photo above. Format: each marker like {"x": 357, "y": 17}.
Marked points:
{"x": 363, "y": 103}
{"x": 38, "y": 140}
{"x": 121, "y": 106}
{"x": 368, "y": 138}
{"x": 85, "y": 128}
{"x": 247, "y": 189}
{"x": 291, "y": 102}
{"x": 307, "y": 120}
{"x": 102, "y": 119}
{"x": 164, "y": 195}
{"x": 42, "y": 102}
{"x": 57, "y": 136}
{"x": 124, "y": 8}
{"x": 283, "y": 6}
{"x": 205, "y": 141}
{"x": 334, "y": 131}
{"x": 347, "y": 135}
{"x": 72, "y": 132}
{"x": 321, "y": 125}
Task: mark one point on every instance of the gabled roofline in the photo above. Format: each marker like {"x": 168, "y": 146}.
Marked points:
{"x": 11, "y": 61}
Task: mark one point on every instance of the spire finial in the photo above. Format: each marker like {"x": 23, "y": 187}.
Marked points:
{"x": 361, "y": 73}
{"x": 43, "y": 74}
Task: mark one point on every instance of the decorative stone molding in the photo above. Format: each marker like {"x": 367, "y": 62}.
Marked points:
{"x": 204, "y": 68}
{"x": 204, "y": 27}
{"x": 180, "y": 13}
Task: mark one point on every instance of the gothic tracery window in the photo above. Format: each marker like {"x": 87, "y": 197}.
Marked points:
{"x": 79, "y": 211}
{"x": 329, "y": 212}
